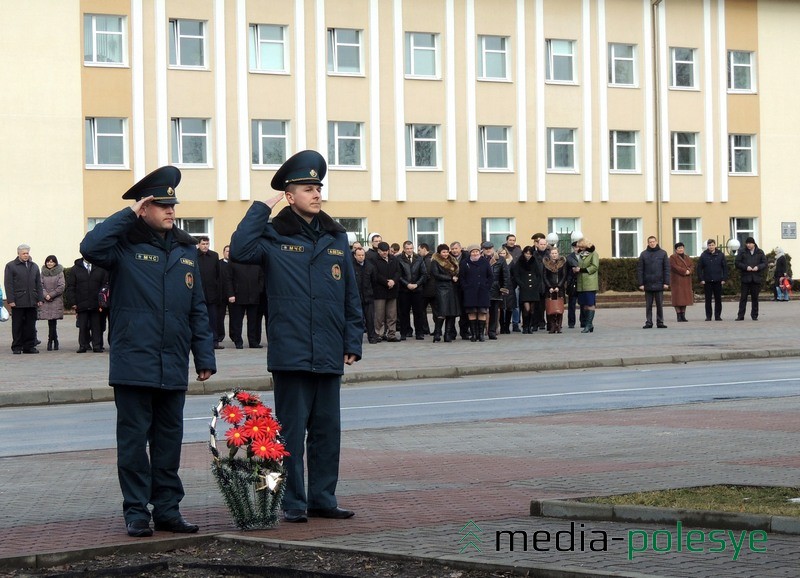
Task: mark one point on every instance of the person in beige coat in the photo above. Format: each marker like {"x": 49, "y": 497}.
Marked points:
{"x": 681, "y": 268}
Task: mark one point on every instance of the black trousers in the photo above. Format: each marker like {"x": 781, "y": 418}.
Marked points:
{"x": 253, "y": 323}
{"x": 222, "y": 308}
{"x": 658, "y": 298}
{"x": 713, "y": 289}
{"x": 212, "y": 320}
{"x": 90, "y": 329}
{"x": 23, "y": 328}
{"x": 573, "y": 302}
{"x": 368, "y": 309}
{"x": 751, "y": 290}
{"x": 408, "y": 303}
{"x": 494, "y": 314}
{"x": 151, "y": 417}
{"x": 539, "y": 313}
{"x": 308, "y": 408}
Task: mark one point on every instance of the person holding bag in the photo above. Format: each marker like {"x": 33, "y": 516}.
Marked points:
{"x": 555, "y": 282}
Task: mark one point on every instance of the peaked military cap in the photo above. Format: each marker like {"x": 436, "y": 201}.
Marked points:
{"x": 304, "y": 168}
{"x": 160, "y": 183}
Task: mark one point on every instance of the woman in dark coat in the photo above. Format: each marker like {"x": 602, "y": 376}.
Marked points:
{"x": 446, "y": 307}
{"x": 555, "y": 284}
{"x": 476, "y": 282}
{"x": 52, "y": 308}
{"x": 527, "y": 277}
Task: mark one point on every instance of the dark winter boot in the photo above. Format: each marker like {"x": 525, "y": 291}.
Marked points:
{"x": 449, "y": 329}
{"x": 437, "y": 331}
{"x": 582, "y": 318}
{"x": 479, "y": 326}
{"x": 473, "y": 330}
{"x": 589, "y": 322}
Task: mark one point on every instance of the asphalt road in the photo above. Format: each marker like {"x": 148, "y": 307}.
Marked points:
{"x": 390, "y": 404}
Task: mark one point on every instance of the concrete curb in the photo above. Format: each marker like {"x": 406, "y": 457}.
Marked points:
{"x": 264, "y": 383}
{"x": 572, "y": 510}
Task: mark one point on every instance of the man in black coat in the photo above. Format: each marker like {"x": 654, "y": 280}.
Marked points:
{"x": 208, "y": 263}
{"x": 751, "y": 262}
{"x": 413, "y": 275}
{"x": 244, "y": 289}
{"x": 457, "y": 251}
{"x": 652, "y": 271}
{"x": 83, "y": 284}
{"x": 384, "y": 290}
{"x": 712, "y": 270}
{"x": 24, "y": 294}
{"x": 223, "y": 305}
{"x": 572, "y": 284}
{"x": 541, "y": 249}
{"x": 365, "y": 277}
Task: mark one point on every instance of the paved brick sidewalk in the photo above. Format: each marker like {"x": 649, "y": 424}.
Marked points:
{"x": 414, "y": 488}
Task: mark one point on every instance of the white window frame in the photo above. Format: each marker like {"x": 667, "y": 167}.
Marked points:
{"x": 178, "y": 134}
{"x": 740, "y": 232}
{"x": 360, "y": 230}
{"x": 676, "y": 63}
{"x": 614, "y": 146}
{"x": 677, "y": 147}
{"x": 335, "y": 141}
{"x": 175, "y": 43}
{"x": 411, "y": 147}
{"x": 551, "y": 150}
{"x": 558, "y": 224}
{"x": 334, "y": 43}
{"x": 734, "y": 148}
{"x": 411, "y": 51}
{"x": 92, "y": 34}
{"x": 552, "y": 46}
{"x": 256, "y": 41}
{"x": 414, "y": 231}
{"x": 486, "y": 143}
{"x": 485, "y": 52}
{"x": 258, "y": 136}
{"x": 616, "y": 233}
{"x": 496, "y": 229}
{"x": 92, "y": 222}
{"x": 732, "y": 66}
{"x": 613, "y": 59}
{"x": 693, "y": 234}
{"x": 91, "y": 133}
{"x": 187, "y": 223}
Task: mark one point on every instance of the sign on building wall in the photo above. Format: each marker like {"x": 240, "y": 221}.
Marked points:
{"x": 789, "y": 230}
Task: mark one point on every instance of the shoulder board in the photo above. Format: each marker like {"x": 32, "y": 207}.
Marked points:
{"x": 293, "y": 248}
{"x": 186, "y": 261}
{"x": 338, "y": 252}
{"x": 146, "y": 257}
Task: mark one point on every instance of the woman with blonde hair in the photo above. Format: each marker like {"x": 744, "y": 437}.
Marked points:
{"x": 588, "y": 282}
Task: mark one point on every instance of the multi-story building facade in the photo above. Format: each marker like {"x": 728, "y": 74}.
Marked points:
{"x": 441, "y": 120}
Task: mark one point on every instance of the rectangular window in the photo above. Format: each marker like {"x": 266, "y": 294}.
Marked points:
{"x": 345, "y": 144}
{"x": 687, "y": 231}
{"x": 740, "y": 71}
{"x": 190, "y": 141}
{"x": 104, "y": 39}
{"x": 625, "y": 237}
{"x": 269, "y": 142}
{"x": 492, "y": 58}
{"x": 493, "y": 147}
{"x": 344, "y": 51}
{"x": 91, "y": 222}
{"x": 560, "y": 65}
{"x": 740, "y": 154}
{"x": 197, "y": 228}
{"x": 422, "y": 148}
{"x": 496, "y": 230}
{"x": 425, "y": 230}
{"x": 561, "y": 149}
{"x": 187, "y": 43}
{"x": 563, "y": 227}
{"x": 355, "y": 225}
{"x": 743, "y": 227}
{"x": 622, "y": 64}
{"x": 106, "y": 142}
{"x": 684, "y": 152}
{"x": 268, "y": 49}
{"x": 623, "y": 148}
{"x": 683, "y": 75}
{"x": 422, "y": 55}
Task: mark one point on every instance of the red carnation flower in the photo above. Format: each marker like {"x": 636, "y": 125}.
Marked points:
{"x": 236, "y": 437}
{"x": 232, "y": 414}
{"x": 268, "y": 450}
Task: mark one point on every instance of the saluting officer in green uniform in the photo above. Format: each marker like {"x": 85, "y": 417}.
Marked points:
{"x": 315, "y": 326}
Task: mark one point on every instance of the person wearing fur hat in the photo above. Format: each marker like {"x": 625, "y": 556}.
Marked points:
{"x": 555, "y": 283}
{"x": 681, "y": 268}
{"x": 476, "y": 281}
{"x": 588, "y": 282}
{"x": 750, "y": 262}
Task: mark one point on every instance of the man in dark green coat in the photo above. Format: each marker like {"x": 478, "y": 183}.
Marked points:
{"x": 159, "y": 315}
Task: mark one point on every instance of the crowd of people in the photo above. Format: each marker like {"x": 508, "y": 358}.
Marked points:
{"x": 475, "y": 292}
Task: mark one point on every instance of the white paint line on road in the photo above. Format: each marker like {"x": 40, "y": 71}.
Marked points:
{"x": 574, "y": 393}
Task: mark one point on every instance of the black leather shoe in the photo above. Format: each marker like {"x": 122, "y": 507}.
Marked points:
{"x": 98, "y": 350}
{"x": 16, "y": 351}
{"x": 139, "y": 529}
{"x": 177, "y": 525}
{"x": 239, "y": 346}
{"x": 32, "y": 350}
{"x": 218, "y": 346}
{"x": 81, "y": 350}
{"x": 420, "y": 337}
{"x": 295, "y": 516}
{"x": 661, "y": 326}
{"x": 333, "y": 513}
